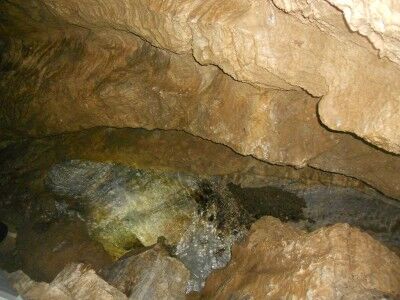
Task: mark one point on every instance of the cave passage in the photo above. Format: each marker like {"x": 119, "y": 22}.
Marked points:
{"x": 106, "y": 196}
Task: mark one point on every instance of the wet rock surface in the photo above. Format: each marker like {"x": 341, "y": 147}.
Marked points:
{"x": 124, "y": 207}
{"x": 278, "y": 261}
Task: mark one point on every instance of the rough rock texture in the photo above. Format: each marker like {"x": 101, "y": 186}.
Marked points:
{"x": 101, "y": 73}
{"x": 76, "y": 281}
{"x": 280, "y": 127}
{"x": 151, "y": 274}
{"x": 379, "y": 20}
{"x": 277, "y": 261}
{"x": 260, "y": 43}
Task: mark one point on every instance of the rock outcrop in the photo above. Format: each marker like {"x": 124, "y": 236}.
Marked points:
{"x": 278, "y": 261}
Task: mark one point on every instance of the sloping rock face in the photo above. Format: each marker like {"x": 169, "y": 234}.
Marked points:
{"x": 73, "y": 65}
{"x": 277, "y": 261}
{"x": 76, "y": 281}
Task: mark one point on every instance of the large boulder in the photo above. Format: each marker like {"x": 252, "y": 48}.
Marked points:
{"x": 277, "y": 261}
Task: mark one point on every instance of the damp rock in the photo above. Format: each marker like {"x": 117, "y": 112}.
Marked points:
{"x": 76, "y": 281}
{"x": 204, "y": 249}
{"x": 277, "y": 261}
{"x": 269, "y": 200}
{"x": 206, "y": 244}
{"x": 150, "y": 274}
{"x": 327, "y": 205}
{"x": 126, "y": 207}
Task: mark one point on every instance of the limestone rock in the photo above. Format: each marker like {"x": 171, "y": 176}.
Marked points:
{"x": 379, "y": 20}
{"x": 151, "y": 274}
{"x": 176, "y": 93}
{"x": 76, "y": 281}
{"x": 258, "y": 43}
{"x": 278, "y": 261}
{"x": 132, "y": 84}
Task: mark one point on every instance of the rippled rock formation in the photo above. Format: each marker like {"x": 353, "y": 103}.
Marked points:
{"x": 278, "y": 261}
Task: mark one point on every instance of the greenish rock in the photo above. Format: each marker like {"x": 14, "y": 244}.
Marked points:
{"x": 126, "y": 207}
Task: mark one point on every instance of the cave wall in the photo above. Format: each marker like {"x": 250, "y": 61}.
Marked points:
{"x": 268, "y": 79}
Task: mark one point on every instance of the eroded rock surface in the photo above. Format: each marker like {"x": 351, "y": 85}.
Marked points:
{"x": 289, "y": 45}
{"x": 278, "y": 261}
{"x": 44, "y": 249}
{"x": 102, "y": 74}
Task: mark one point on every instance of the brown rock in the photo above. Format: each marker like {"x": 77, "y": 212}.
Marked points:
{"x": 103, "y": 75}
{"x": 151, "y": 274}
{"x": 299, "y": 54}
{"x": 277, "y": 261}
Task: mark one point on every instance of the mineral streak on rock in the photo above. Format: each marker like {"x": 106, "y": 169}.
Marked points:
{"x": 127, "y": 207}
{"x": 124, "y": 207}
